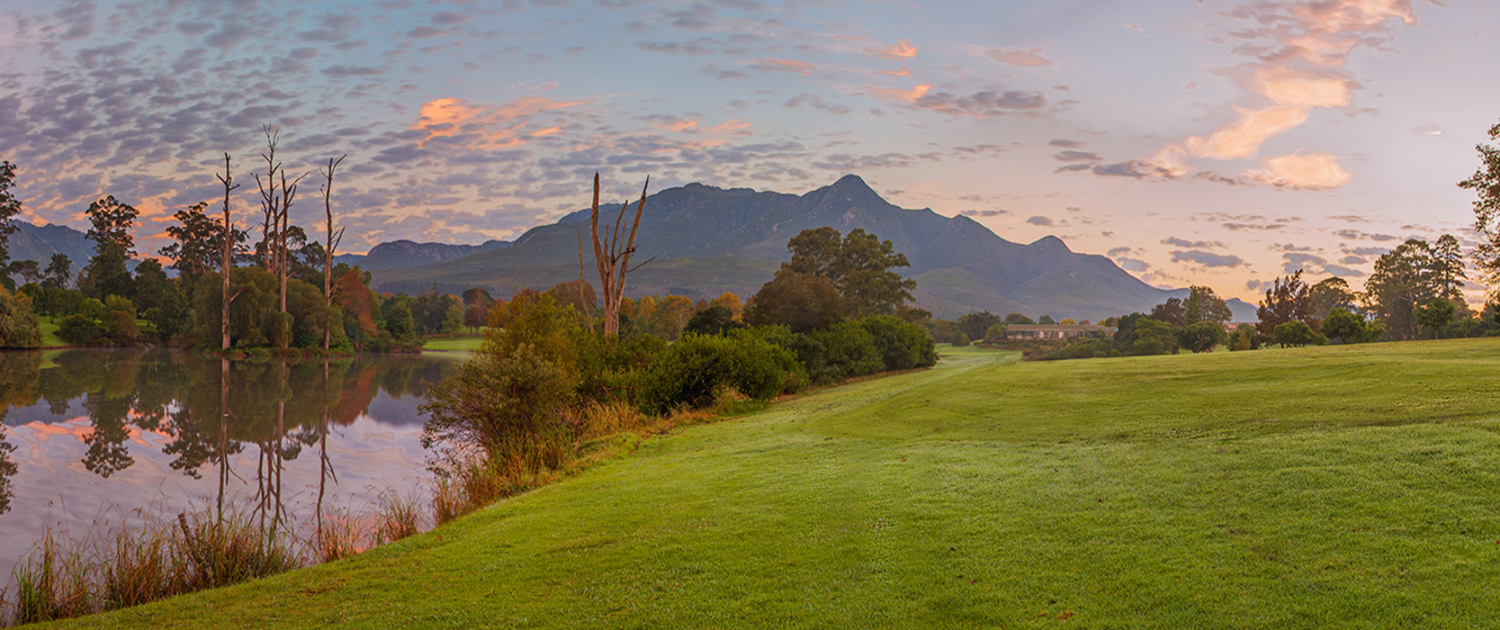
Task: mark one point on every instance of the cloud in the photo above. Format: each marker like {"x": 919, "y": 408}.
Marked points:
{"x": 1290, "y": 86}
{"x": 1135, "y": 169}
{"x": 457, "y": 122}
{"x": 1315, "y": 265}
{"x": 1076, "y": 156}
{"x": 1029, "y": 58}
{"x": 903, "y": 72}
{"x": 890, "y": 94}
{"x": 984, "y": 213}
{"x": 1039, "y": 220}
{"x": 1235, "y": 227}
{"x": 1207, "y": 259}
{"x": 1120, "y": 251}
{"x": 981, "y": 104}
{"x": 1133, "y": 264}
{"x": 1317, "y": 171}
{"x": 1177, "y": 242}
{"x": 1244, "y": 137}
{"x": 1356, "y": 235}
{"x": 900, "y": 51}
{"x": 1428, "y": 130}
{"x": 784, "y": 65}
{"x": 1065, "y": 143}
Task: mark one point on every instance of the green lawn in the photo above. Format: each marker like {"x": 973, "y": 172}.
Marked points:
{"x": 1350, "y": 487}
{"x": 464, "y": 342}
{"x": 49, "y": 328}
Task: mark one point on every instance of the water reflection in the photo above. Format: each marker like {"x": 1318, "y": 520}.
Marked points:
{"x": 165, "y": 429}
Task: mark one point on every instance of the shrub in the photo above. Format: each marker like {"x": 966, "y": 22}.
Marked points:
{"x": 960, "y": 340}
{"x": 1295, "y": 334}
{"x": 901, "y": 345}
{"x": 19, "y": 327}
{"x": 505, "y": 404}
{"x": 696, "y": 369}
{"x": 850, "y": 350}
{"x": 78, "y": 330}
{"x": 1079, "y": 349}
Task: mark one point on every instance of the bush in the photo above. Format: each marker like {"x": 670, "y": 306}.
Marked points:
{"x": 1202, "y": 336}
{"x": 901, "y": 345}
{"x": 19, "y": 327}
{"x": 698, "y": 368}
{"x": 504, "y": 403}
{"x": 850, "y": 350}
{"x": 960, "y": 340}
{"x": 79, "y": 330}
{"x": 1295, "y": 334}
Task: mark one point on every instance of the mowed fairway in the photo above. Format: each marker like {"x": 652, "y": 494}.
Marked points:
{"x": 1350, "y": 487}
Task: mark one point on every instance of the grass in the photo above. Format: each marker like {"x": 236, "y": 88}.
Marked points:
{"x": 464, "y": 342}
{"x": 49, "y": 328}
{"x": 1350, "y": 487}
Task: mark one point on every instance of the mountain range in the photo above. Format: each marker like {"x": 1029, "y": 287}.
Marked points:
{"x": 702, "y": 241}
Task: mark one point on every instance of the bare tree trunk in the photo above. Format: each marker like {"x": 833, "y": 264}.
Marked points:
{"x": 269, "y": 204}
{"x": 227, "y": 264}
{"x": 333, "y": 243}
{"x": 613, "y": 261}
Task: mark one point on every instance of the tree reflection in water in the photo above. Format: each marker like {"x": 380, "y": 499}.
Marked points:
{"x": 202, "y": 412}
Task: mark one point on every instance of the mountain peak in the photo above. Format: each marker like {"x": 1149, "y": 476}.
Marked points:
{"x": 1050, "y": 243}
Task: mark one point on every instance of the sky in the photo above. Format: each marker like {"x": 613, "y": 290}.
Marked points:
{"x": 1193, "y": 142}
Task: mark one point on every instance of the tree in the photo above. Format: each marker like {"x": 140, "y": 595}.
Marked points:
{"x": 1295, "y": 334}
{"x": 1203, "y": 305}
{"x": 1436, "y": 315}
{"x": 334, "y": 238}
{"x": 197, "y": 243}
{"x": 29, "y": 270}
{"x": 800, "y": 301}
{"x": 1485, "y": 182}
{"x": 1046, "y": 320}
{"x": 1285, "y": 301}
{"x": 673, "y": 315}
{"x": 859, "y": 266}
{"x": 19, "y": 327}
{"x": 1329, "y": 294}
{"x": 110, "y": 226}
{"x": 226, "y": 258}
{"x": 10, "y": 208}
{"x": 1244, "y": 337}
{"x": 1346, "y": 326}
{"x": 731, "y": 302}
{"x": 610, "y": 259}
{"x": 714, "y": 320}
{"x": 151, "y": 284}
{"x": 1170, "y": 312}
{"x": 59, "y": 272}
{"x": 995, "y": 334}
{"x": 1404, "y": 279}
{"x": 975, "y": 325}
{"x": 1017, "y": 318}
{"x": 1202, "y": 336}
{"x": 960, "y": 340}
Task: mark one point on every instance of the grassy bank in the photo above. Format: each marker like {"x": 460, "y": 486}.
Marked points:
{"x": 459, "y": 343}
{"x": 1342, "y": 486}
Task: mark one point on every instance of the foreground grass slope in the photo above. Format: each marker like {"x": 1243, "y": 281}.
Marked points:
{"x": 1343, "y": 486}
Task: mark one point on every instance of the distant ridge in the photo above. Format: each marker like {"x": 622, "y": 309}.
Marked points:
{"x": 708, "y": 240}
{"x": 403, "y": 253}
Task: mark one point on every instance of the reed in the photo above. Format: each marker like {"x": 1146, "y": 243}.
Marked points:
{"x": 397, "y": 516}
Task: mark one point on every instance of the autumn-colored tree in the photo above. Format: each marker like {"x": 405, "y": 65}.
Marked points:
{"x": 673, "y": 315}
{"x": 731, "y": 302}
{"x": 358, "y": 304}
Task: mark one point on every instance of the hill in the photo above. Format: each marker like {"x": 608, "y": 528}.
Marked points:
{"x": 706, "y": 240}
{"x": 40, "y": 242}
{"x": 403, "y": 253}
{"x": 1168, "y": 492}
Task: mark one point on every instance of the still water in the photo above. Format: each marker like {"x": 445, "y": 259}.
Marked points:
{"x": 93, "y": 440}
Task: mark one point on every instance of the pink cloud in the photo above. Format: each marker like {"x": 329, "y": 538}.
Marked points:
{"x": 1316, "y": 171}
{"x": 903, "y": 72}
{"x": 899, "y": 51}
{"x": 1242, "y": 138}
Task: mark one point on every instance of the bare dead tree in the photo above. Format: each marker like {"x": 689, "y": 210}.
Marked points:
{"x": 227, "y": 264}
{"x": 269, "y": 204}
{"x": 612, "y": 260}
{"x": 333, "y": 242}
{"x": 288, "y": 193}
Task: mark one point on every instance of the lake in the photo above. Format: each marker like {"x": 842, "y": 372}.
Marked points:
{"x": 93, "y": 440}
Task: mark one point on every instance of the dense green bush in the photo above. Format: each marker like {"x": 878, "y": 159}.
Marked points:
{"x": 901, "y": 345}
{"x": 960, "y": 340}
{"x": 697, "y": 368}
{"x": 19, "y": 327}
{"x": 79, "y": 330}
{"x": 850, "y": 350}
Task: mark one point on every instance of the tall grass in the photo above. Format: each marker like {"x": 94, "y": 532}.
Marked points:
{"x": 68, "y": 578}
